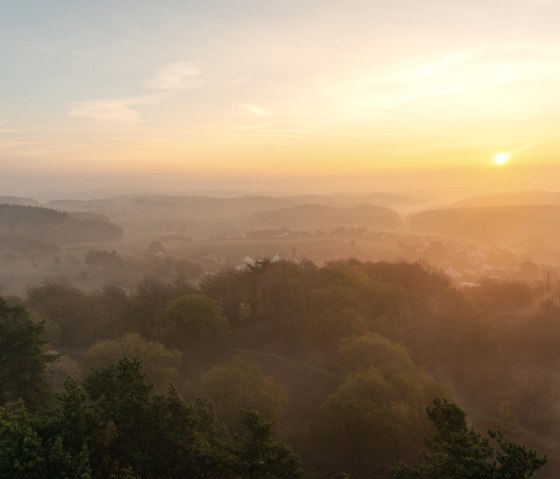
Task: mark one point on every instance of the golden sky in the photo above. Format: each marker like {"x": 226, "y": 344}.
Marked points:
{"x": 232, "y": 88}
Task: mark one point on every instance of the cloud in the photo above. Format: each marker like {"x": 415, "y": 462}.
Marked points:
{"x": 251, "y": 109}
{"x": 172, "y": 76}
{"x": 371, "y": 93}
{"x": 168, "y": 79}
{"x": 120, "y": 110}
{"x": 233, "y": 84}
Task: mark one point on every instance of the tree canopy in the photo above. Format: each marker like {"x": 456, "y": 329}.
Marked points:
{"x": 457, "y": 451}
{"x": 116, "y": 427}
{"x": 22, "y": 361}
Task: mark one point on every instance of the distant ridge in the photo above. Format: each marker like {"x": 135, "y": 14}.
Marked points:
{"x": 305, "y": 216}
{"x": 55, "y": 226}
{"x": 490, "y": 223}
{"x": 16, "y": 200}
{"x": 511, "y": 198}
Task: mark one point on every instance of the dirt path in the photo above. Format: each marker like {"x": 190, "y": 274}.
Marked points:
{"x": 287, "y": 361}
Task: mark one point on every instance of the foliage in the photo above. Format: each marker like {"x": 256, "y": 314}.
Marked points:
{"x": 241, "y": 384}
{"x": 376, "y": 415}
{"x": 115, "y": 427}
{"x": 28, "y": 451}
{"x": 160, "y": 364}
{"x": 77, "y": 314}
{"x": 22, "y": 361}
{"x": 355, "y": 330}
{"x": 193, "y": 324}
{"x": 102, "y": 258}
{"x": 261, "y": 455}
{"x": 151, "y": 296}
{"x": 458, "y": 451}
{"x": 492, "y": 295}
{"x": 372, "y": 350}
{"x": 115, "y": 307}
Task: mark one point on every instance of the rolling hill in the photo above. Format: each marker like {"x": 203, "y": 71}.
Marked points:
{"x": 53, "y": 226}
{"x": 509, "y": 224}
{"x": 510, "y": 199}
{"x": 320, "y": 216}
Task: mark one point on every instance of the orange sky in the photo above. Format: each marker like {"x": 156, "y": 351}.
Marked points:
{"x": 185, "y": 89}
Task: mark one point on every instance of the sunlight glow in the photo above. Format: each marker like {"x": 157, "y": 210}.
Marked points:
{"x": 502, "y": 158}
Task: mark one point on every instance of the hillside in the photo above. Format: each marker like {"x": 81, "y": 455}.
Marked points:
{"x": 510, "y": 199}
{"x": 174, "y": 206}
{"x": 16, "y": 200}
{"x": 319, "y": 216}
{"x": 496, "y": 223}
{"x": 54, "y": 226}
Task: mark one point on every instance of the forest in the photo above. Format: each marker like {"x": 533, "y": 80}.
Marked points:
{"x": 55, "y": 226}
{"x": 246, "y": 239}
{"x": 284, "y": 369}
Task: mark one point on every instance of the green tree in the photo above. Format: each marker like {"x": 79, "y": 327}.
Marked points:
{"x": 119, "y": 397}
{"x": 78, "y": 315}
{"x": 159, "y": 363}
{"x": 241, "y": 384}
{"x": 227, "y": 289}
{"x": 22, "y": 361}
{"x": 372, "y": 350}
{"x": 457, "y": 451}
{"x": 374, "y": 418}
{"x": 31, "y": 448}
{"x": 260, "y": 455}
{"x": 21, "y": 450}
{"x": 115, "y": 427}
{"x": 193, "y": 324}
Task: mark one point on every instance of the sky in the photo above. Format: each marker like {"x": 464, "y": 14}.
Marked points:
{"x": 278, "y": 95}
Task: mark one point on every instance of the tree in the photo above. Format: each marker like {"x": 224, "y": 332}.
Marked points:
{"x": 79, "y": 316}
{"x": 374, "y": 418}
{"x": 227, "y": 289}
{"x": 241, "y": 384}
{"x": 372, "y": 350}
{"x": 103, "y": 258}
{"x": 19, "y": 444}
{"x": 457, "y": 451}
{"x": 22, "y": 362}
{"x": 115, "y": 427}
{"x": 261, "y": 455}
{"x": 150, "y": 297}
{"x": 193, "y": 324}
{"x": 155, "y": 247}
{"x": 160, "y": 364}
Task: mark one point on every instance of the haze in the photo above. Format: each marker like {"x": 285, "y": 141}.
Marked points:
{"x": 265, "y": 96}
{"x": 294, "y": 239}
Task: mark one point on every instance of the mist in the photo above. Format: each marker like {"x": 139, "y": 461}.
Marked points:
{"x": 279, "y": 240}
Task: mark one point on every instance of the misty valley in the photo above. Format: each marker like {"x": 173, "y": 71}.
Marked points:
{"x": 310, "y": 239}
{"x": 321, "y": 336}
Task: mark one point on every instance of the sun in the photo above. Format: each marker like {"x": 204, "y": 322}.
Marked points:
{"x": 502, "y": 158}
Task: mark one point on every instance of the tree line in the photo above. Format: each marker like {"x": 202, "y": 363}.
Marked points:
{"x": 388, "y": 333}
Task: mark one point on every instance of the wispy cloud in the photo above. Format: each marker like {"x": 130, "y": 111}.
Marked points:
{"x": 251, "y": 109}
{"x": 172, "y": 76}
{"x": 233, "y": 84}
{"x": 420, "y": 79}
{"x": 122, "y": 110}
{"x": 169, "y": 79}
